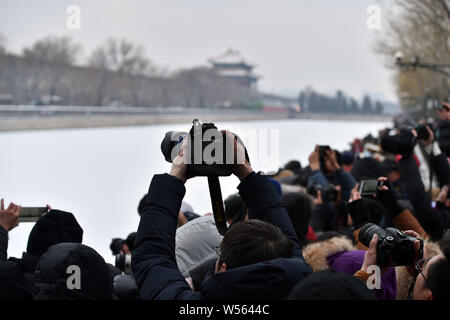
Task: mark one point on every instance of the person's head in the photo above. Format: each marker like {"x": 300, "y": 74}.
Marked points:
{"x": 444, "y": 111}
{"x": 235, "y": 208}
{"x": 433, "y": 279}
{"x": 252, "y": 241}
{"x": 129, "y": 242}
{"x": 293, "y": 165}
{"x": 52, "y": 228}
{"x": 72, "y": 271}
{"x": 298, "y": 207}
{"x": 392, "y": 169}
{"x": 367, "y": 168}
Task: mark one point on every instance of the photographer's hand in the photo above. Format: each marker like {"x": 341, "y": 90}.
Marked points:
{"x": 179, "y": 167}
{"x": 412, "y": 269}
{"x": 354, "y": 194}
{"x": 241, "y": 167}
{"x": 387, "y": 197}
{"x": 9, "y": 218}
{"x": 331, "y": 161}
{"x": 314, "y": 163}
{"x": 442, "y": 197}
{"x": 370, "y": 257}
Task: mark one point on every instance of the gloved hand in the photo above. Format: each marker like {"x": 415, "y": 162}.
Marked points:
{"x": 357, "y": 209}
{"x": 386, "y": 196}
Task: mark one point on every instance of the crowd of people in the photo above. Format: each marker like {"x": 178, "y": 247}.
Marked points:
{"x": 308, "y": 232}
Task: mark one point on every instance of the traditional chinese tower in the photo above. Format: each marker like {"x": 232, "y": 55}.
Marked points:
{"x": 232, "y": 65}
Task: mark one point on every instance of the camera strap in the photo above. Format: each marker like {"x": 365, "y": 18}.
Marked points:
{"x": 217, "y": 204}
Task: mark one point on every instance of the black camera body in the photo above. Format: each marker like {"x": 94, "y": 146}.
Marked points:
{"x": 395, "y": 248}
{"x": 369, "y": 187}
{"x": 329, "y": 192}
{"x": 322, "y": 153}
{"x": 422, "y": 132}
{"x": 210, "y": 154}
{"x": 402, "y": 142}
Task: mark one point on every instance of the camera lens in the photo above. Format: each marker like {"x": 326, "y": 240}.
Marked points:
{"x": 171, "y": 139}
{"x": 367, "y": 232}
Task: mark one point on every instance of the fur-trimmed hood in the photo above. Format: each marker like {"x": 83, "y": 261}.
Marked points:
{"x": 316, "y": 253}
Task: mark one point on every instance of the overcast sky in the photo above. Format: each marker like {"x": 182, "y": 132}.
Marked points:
{"x": 294, "y": 43}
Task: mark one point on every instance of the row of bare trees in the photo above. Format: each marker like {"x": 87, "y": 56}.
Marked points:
{"x": 116, "y": 73}
{"x": 418, "y": 28}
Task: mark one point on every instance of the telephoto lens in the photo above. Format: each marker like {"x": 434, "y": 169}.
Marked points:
{"x": 123, "y": 262}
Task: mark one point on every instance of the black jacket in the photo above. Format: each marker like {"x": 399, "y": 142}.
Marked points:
{"x": 54, "y": 227}
{"x": 55, "y": 270}
{"x": 434, "y": 221}
{"x": 153, "y": 261}
{"x": 15, "y": 282}
{"x": 443, "y": 137}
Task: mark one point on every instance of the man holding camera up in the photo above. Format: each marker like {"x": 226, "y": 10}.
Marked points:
{"x": 258, "y": 258}
{"x": 332, "y": 185}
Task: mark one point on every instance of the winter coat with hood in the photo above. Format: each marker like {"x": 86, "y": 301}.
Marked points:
{"x": 195, "y": 243}
{"x": 52, "y": 228}
{"x": 62, "y": 263}
{"x": 154, "y": 264}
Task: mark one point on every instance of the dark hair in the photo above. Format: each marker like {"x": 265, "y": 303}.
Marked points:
{"x": 299, "y": 209}
{"x": 390, "y": 165}
{"x": 252, "y": 241}
{"x": 330, "y": 234}
{"x": 293, "y": 165}
{"x": 234, "y": 207}
{"x": 142, "y": 205}
{"x": 438, "y": 278}
{"x": 130, "y": 240}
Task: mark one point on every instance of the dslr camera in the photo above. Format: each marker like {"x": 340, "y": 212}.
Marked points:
{"x": 329, "y": 193}
{"x": 209, "y": 153}
{"x": 395, "y": 248}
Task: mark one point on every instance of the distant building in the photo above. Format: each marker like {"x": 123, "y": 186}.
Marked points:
{"x": 232, "y": 65}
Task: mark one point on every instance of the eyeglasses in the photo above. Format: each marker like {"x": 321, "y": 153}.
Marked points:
{"x": 419, "y": 266}
{"x": 217, "y": 250}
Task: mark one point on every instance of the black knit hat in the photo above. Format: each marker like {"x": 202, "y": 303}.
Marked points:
{"x": 331, "y": 285}
{"x": 52, "y": 228}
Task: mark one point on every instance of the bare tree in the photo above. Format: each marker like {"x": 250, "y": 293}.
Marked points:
{"x": 418, "y": 28}
{"x": 126, "y": 58}
{"x": 48, "y": 59}
{"x": 58, "y": 50}
{"x": 122, "y": 56}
